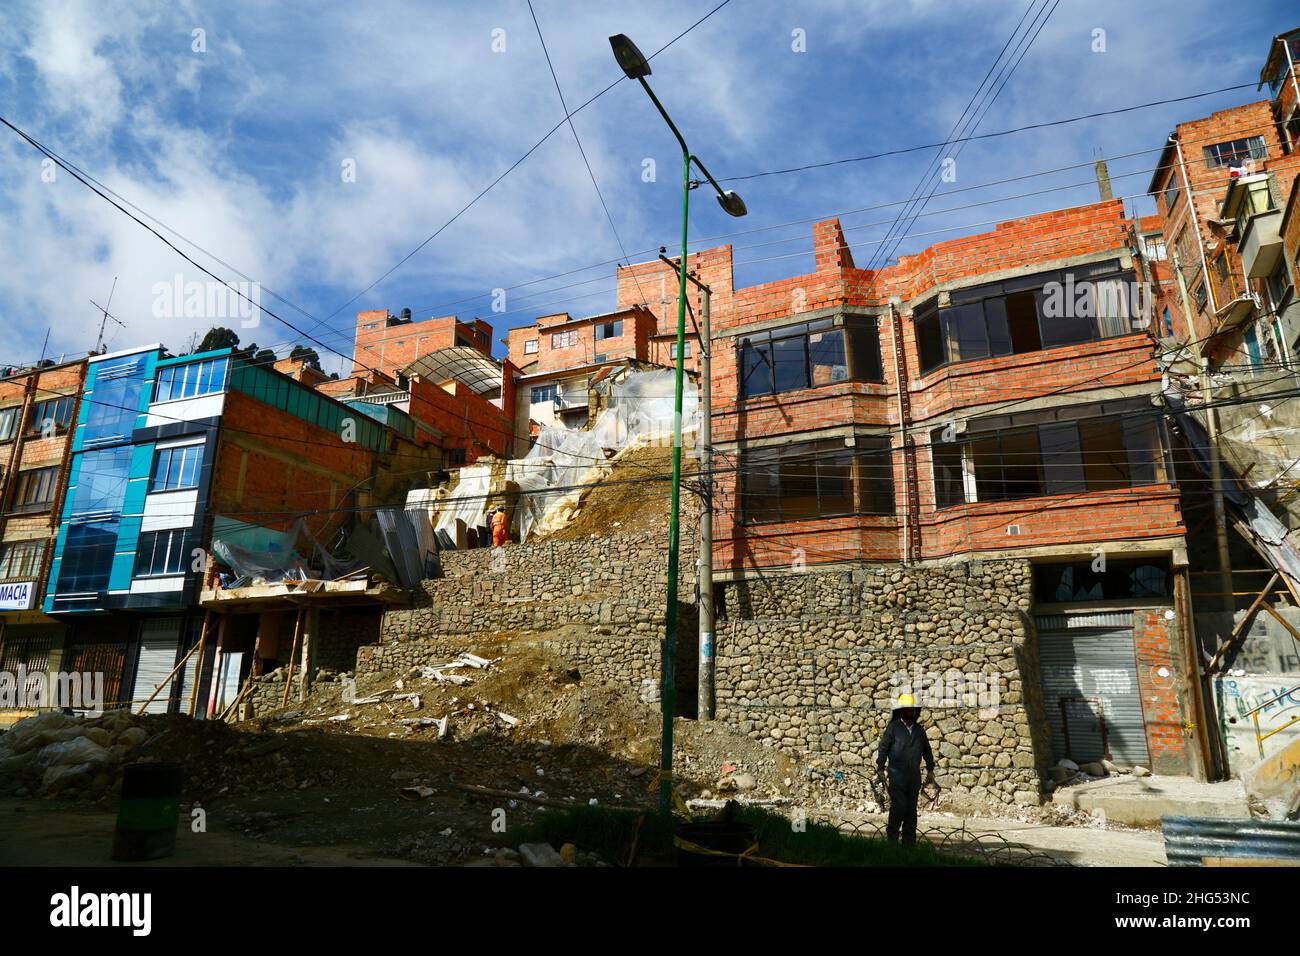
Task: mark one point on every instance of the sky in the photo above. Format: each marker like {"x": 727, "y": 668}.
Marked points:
{"x": 308, "y": 149}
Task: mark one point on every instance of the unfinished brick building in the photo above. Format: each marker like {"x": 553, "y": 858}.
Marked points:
{"x": 968, "y": 405}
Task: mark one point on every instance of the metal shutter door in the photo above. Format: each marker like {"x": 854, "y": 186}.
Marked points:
{"x": 158, "y": 643}
{"x": 1086, "y": 672}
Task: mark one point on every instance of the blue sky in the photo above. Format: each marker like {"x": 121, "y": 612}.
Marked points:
{"x": 242, "y": 147}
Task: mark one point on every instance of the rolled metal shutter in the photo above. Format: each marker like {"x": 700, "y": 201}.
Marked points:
{"x": 158, "y": 643}
{"x": 1089, "y": 674}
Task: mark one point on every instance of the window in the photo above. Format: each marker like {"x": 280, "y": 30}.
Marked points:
{"x": 1171, "y": 192}
{"x": 21, "y": 559}
{"x": 1057, "y": 458}
{"x": 1279, "y": 285}
{"x": 609, "y": 330}
{"x": 530, "y": 347}
{"x": 1027, "y": 314}
{"x": 545, "y": 393}
{"x": 1116, "y": 579}
{"x": 455, "y": 457}
{"x": 1282, "y": 73}
{"x": 1200, "y": 296}
{"x": 1153, "y": 246}
{"x": 35, "y": 489}
{"x": 192, "y": 379}
{"x": 563, "y": 340}
{"x": 685, "y": 354}
{"x": 163, "y": 552}
{"x": 9, "y": 422}
{"x": 54, "y": 414}
{"x": 1235, "y": 152}
{"x": 176, "y": 468}
{"x": 809, "y": 355}
{"x": 816, "y": 480}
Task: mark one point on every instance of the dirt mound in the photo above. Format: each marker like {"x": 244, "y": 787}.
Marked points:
{"x": 634, "y": 497}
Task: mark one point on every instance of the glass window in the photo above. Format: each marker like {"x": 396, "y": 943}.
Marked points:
{"x": 163, "y": 552}
{"x": 862, "y": 344}
{"x": 9, "y": 422}
{"x": 544, "y": 393}
{"x": 1171, "y": 192}
{"x": 177, "y": 468}
{"x": 21, "y": 559}
{"x": 673, "y": 350}
{"x": 929, "y": 340}
{"x": 101, "y": 481}
{"x": 53, "y": 415}
{"x": 563, "y": 340}
{"x": 756, "y": 369}
{"x": 609, "y": 330}
{"x": 817, "y": 479}
{"x": 34, "y": 490}
{"x": 530, "y": 347}
{"x": 789, "y": 363}
{"x": 1117, "y": 579}
{"x": 1258, "y": 199}
{"x": 87, "y": 556}
{"x": 191, "y": 379}
{"x": 116, "y": 401}
{"x": 1235, "y": 152}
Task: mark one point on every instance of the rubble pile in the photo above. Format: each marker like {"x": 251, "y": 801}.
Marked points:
{"x": 54, "y": 754}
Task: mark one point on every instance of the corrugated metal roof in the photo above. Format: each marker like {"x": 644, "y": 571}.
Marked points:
{"x": 1189, "y": 840}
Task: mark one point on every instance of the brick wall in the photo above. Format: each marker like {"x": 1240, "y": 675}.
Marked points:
{"x": 1157, "y": 672}
{"x": 390, "y": 345}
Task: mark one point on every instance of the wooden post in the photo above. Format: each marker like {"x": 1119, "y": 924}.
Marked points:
{"x": 288, "y": 677}
{"x": 198, "y": 666}
{"x": 312, "y": 625}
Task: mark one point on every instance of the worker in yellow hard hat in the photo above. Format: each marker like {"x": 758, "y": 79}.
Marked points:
{"x": 902, "y": 748}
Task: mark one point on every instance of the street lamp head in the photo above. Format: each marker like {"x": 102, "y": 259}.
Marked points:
{"x": 634, "y": 64}
{"x": 732, "y": 203}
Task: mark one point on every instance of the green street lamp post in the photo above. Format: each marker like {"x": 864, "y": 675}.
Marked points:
{"x": 637, "y": 67}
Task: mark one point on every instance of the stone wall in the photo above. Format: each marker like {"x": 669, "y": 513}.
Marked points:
{"x": 597, "y": 603}
{"x": 808, "y": 662}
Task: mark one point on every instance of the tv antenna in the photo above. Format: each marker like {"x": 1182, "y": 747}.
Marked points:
{"x": 99, "y": 343}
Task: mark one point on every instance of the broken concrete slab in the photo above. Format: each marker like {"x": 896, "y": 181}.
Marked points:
{"x": 1141, "y": 802}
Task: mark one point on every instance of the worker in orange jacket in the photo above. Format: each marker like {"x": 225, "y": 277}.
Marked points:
{"x": 500, "y": 528}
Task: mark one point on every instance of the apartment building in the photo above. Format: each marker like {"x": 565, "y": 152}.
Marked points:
{"x": 1221, "y": 186}
{"x": 561, "y": 359}
{"x": 993, "y": 396}
{"x": 38, "y": 407}
{"x": 388, "y": 343}
{"x": 170, "y": 453}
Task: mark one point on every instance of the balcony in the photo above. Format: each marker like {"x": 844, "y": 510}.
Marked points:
{"x": 1261, "y": 244}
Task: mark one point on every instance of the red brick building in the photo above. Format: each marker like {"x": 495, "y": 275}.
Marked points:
{"x": 993, "y": 396}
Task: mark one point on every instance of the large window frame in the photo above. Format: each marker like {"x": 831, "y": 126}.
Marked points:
{"x": 1233, "y": 152}
{"x": 176, "y": 468}
{"x": 35, "y": 489}
{"x": 609, "y": 330}
{"x": 57, "y": 411}
{"x": 9, "y": 422}
{"x": 809, "y": 355}
{"x": 564, "y": 340}
{"x": 161, "y": 554}
{"x": 997, "y": 319}
{"x": 192, "y": 379}
{"x": 20, "y": 560}
{"x": 817, "y": 479}
{"x": 1073, "y": 456}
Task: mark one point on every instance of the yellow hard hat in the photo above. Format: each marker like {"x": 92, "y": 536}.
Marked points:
{"x": 906, "y": 700}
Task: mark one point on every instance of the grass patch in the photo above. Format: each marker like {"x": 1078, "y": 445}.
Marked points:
{"x": 610, "y": 833}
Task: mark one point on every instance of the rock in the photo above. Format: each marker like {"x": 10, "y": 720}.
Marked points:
{"x": 1060, "y": 774}
{"x": 1068, "y": 764}
{"x": 540, "y": 854}
{"x": 1141, "y": 772}
{"x": 1093, "y": 769}
{"x": 1110, "y": 767}
{"x": 745, "y": 781}
{"x": 569, "y": 854}
{"x": 132, "y": 737}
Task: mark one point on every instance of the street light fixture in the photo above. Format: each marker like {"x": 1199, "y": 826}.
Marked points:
{"x": 637, "y": 67}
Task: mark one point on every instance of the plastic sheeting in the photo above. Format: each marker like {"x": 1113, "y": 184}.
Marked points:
{"x": 266, "y": 556}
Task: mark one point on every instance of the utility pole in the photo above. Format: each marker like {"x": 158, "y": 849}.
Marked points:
{"x": 704, "y": 679}
{"x": 1216, "y": 486}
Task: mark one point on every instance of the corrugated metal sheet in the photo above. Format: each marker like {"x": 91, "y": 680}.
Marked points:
{"x": 1089, "y": 675}
{"x": 1189, "y": 840}
{"x": 158, "y": 643}
{"x": 1069, "y": 622}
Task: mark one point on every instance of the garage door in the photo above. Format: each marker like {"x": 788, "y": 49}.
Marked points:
{"x": 1090, "y": 687}
{"x": 158, "y": 643}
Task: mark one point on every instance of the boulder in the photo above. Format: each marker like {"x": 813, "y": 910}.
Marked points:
{"x": 540, "y": 854}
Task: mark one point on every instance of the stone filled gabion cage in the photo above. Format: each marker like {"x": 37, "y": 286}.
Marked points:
{"x": 811, "y": 662}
